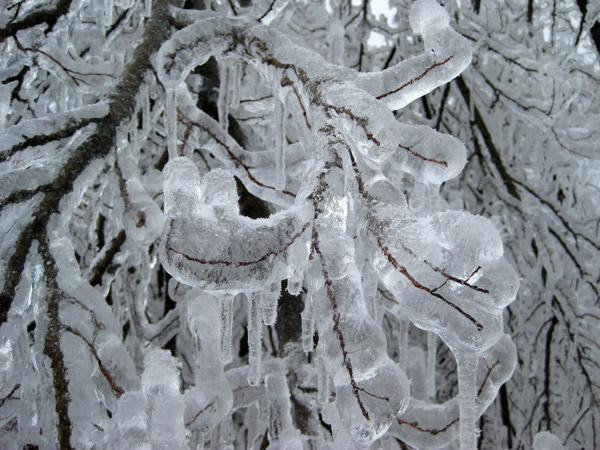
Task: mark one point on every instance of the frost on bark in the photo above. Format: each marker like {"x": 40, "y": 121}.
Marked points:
{"x": 223, "y": 226}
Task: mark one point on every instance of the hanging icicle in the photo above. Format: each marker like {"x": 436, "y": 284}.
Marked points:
{"x": 431, "y": 359}
{"x": 279, "y": 132}
{"x": 254, "y": 338}
{"x": 145, "y": 100}
{"x": 223, "y": 100}
{"x": 467, "y": 393}
{"x": 268, "y": 302}
{"x": 226, "y": 306}
{"x": 108, "y": 11}
{"x": 294, "y": 285}
{"x": 171, "y": 118}
{"x": 308, "y": 325}
{"x": 234, "y": 84}
{"x": 403, "y": 341}
{"x": 322, "y": 381}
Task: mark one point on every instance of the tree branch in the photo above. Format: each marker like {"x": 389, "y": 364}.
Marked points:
{"x": 99, "y": 144}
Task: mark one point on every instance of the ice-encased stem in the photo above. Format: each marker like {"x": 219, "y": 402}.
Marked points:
{"x": 467, "y": 365}
{"x": 308, "y": 325}
{"x": 226, "y": 305}
{"x": 147, "y": 7}
{"x": 268, "y": 302}
{"x": 431, "y": 359}
{"x": 171, "y": 118}
{"x": 254, "y": 338}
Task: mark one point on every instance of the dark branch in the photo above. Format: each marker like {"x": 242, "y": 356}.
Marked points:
{"x": 98, "y": 145}
{"x": 100, "y": 268}
{"x": 226, "y": 262}
{"x": 417, "y": 78}
{"x": 52, "y": 348}
{"x": 49, "y": 17}
{"x": 487, "y": 138}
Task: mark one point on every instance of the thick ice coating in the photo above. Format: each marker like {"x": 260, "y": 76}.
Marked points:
{"x": 360, "y": 212}
{"x": 209, "y": 244}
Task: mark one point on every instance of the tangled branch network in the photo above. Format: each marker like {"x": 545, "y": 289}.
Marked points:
{"x": 358, "y": 232}
{"x": 344, "y": 224}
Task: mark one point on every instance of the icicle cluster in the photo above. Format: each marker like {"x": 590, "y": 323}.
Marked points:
{"x": 345, "y": 222}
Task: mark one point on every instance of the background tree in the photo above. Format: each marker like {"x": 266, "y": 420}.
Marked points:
{"x": 525, "y": 108}
{"x": 124, "y": 249}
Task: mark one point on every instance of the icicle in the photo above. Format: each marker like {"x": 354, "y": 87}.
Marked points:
{"x": 222, "y": 101}
{"x": 146, "y": 112}
{"x": 254, "y": 338}
{"x": 403, "y": 338}
{"x": 268, "y": 302}
{"x": 226, "y": 430}
{"x": 279, "y": 133}
{"x": 431, "y": 358}
{"x": 226, "y": 305}
{"x": 370, "y": 282}
{"x": 30, "y": 77}
{"x": 371, "y": 306}
{"x": 147, "y": 8}
{"x": 125, "y": 4}
{"x": 133, "y": 138}
{"x": 467, "y": 365}
{"x": 335, "y": 40}
{"x": 108, "y": 9}
{"x": 171, "y": 114}
{"x": 263, "y": 410}
{"x": 234, "y": 84}
{"x": 472, "y": 108}
{"x": 281, "y": 427}
{"x": 64, "y": 97}
{"x": 308, "y": 325}
{"x": 200, "y": 440}
{"x": 278, "y": 396}
{"x": 322, "y": 381}
{"x": 77, "y": 100}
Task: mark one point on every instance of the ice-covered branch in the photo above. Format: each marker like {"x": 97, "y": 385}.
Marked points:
{"x": 95, "y": 146}
{"x": 152, "y": 223}
{"x": 446, "y": 55}
{"x": 475, "y": 283}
